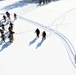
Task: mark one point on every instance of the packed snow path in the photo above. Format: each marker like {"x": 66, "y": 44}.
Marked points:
{"x": 71, "y": 52}
{"x": 65, "y": 43}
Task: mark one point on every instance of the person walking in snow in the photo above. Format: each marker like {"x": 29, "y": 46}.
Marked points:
{"x": 3, "y": 37}
{"x": 1, "y": 31}
{"x": 11, "y": 38}
{"x": 8, "y": 14}
{"x": 4, "y": 17}
{"x": 10, "y": 27}
{"x": 40, "y": 1}
{"x": 3, "y": 26}
{"x": 11, "y": 24}
{"x": 15, "y": 16}
{"x": 43, "y": 35}
{"x": 37, "y": 32}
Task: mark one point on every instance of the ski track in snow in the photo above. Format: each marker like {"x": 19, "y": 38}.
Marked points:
{"x": 68, "y": 43}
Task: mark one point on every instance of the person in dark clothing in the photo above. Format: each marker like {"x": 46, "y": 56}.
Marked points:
{"x": 3, "y": 26}
{"x": 43, "y": 35}
{"x": 11, "y": 24}
{"x": 10, "y": 27}
{"x": 40, "y": 1}
{"x": 37, "y": 32}
{"x": 43, "y": 1}
{"x": 11, "y": 38}
{"x": 1, "y": 31}
{"x": 3, "y": 37}
{"x": 15, "y": 16}
{"x": 8, "y": 14}
{"x": 4, "y": 17}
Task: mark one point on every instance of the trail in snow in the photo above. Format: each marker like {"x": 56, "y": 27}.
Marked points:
{"x": 61, "y": 16}
{"x": 68, "y": 43}
{"x": 27, "y": 9}
{"x": 70, "y": 46}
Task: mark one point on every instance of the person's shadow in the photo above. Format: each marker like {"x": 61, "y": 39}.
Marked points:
{"x": 39, "y": 44}
{"x": 33, "y": 41}
{"x": 5, "y": 46}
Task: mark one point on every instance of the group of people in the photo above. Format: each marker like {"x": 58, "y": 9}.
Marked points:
{"x": 43, "y": 1}
{"x": 37, "y": 31}
{"x": 6, "y": 18}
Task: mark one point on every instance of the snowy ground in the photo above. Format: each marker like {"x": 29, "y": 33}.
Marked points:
{"x": 28, "y": 56}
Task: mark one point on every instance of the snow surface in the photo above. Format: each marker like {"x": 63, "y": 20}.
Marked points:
{"x": 28, "y": 56}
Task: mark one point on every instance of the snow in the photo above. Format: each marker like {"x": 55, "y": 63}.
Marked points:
{"x": 28, "y": 56}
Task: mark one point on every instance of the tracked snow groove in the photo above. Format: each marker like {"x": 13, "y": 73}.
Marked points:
{"x": 71, "y": 52}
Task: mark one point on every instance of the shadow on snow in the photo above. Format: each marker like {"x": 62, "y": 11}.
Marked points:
{"x": 20, "y": 3}
{"x": 15, "y": 5}
{"x": 33, "y": 41}
{"x": 39, "y": 44}
{"x": 5, "y": 45}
